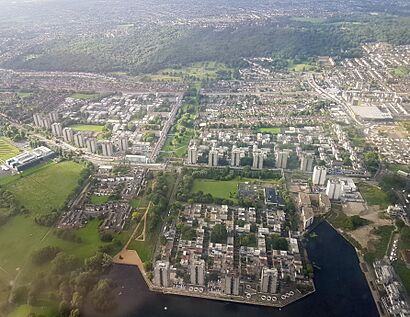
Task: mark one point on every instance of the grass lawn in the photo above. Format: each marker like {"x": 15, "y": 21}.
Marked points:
{"x": 374, "y": 195}
{"x": 87, "y": 127}
{"x": 84, "y": 96}
{"x": 98, "y": 200}
{"x": 7, "y": 149}
{"x": 47, "y": 187}
{"x": 25, "y": 310}
{"x": 269, "y": 130}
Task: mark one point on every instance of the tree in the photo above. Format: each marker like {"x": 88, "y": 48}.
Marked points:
{"x": 219, "y": 234}
{"x": 45, "y": 254}
{"x": 99, "y": 263}
{"x": 101, "y": 296}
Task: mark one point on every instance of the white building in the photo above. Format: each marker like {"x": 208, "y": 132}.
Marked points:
{"x": 319, "y": 175}
{"x": 91, "y": 144}
{"x": 231, "y": 284}
{"x": 68, "y": 135}
{"x": 213, "y": 158}
{"x": 307, "y": 216}
{"x": 236, "y": 157}
{"x": 257, "y": 159}
{"x": 123, "y": 143}
{"x": 161, "y": 274}
{"x": 107, "y": 148}
{"x": 192, "y": 155}
{"x": 79, "y": 140}
{"x": 306, "y": 163}
{"x": 57, "y": 129}
{"x": 198, "y": 272}
{"x": 334, "y": 189}
{"x": 282, "y": 159}
{"x": 269, "y": 280}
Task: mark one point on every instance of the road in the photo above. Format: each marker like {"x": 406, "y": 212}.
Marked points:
{"x": 165, "y": 130}
{"x": 311, "y": 81}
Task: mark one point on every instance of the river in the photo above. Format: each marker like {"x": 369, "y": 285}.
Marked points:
{"x": 341, "y": 290}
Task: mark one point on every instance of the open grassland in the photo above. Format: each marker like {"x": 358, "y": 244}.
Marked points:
{"x": 87, "y": 127}
{"x": 84, "y": 96}
{"x": 47, "y": 188}
{"x": 377, "y": 249}
{"x": 178, "y": 149}
{"x": 7, "y": 150}
{"x": 41, "y": 190}
{"x": 374, "y": 195}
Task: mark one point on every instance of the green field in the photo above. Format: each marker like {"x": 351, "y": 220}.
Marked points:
{"x": 40, "y": 190}
{"x": 7, "y": 150}
{"x": 269, "y": 130}
{"x": 197, "y": 71}
{"x": 84, "y": 96}
{"x": 47, "y": 187}
{"x": 400, "y": 71}
{"x": 25, "y": 310}
{"x": 300, "y": 67}
{"x": 226, "y": 189}
{"x": 24, "y": 94}
{"x": 374, "y": 195}
{"x": 220, "y": 189}
{"x": 87, "y": 127}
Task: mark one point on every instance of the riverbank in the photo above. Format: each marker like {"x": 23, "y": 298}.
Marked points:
{"x": 131, "y": 257}
{"x": 341, "y": 289}
{"x": 369, "y": 274}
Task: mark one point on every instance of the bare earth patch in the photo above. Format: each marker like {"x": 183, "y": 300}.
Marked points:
{"x": 363, "y": 234}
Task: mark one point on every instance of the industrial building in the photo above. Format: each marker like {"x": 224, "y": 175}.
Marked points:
{"x": 29, "y": 159}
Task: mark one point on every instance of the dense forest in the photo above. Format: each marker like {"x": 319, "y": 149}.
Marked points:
{"x": 149, "y": 50}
